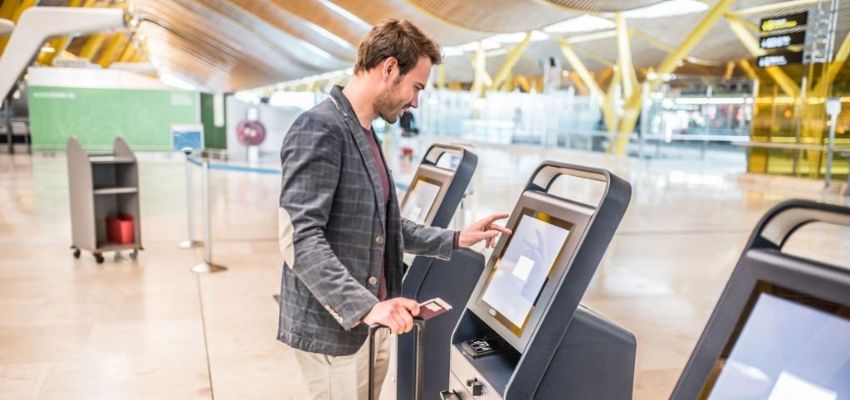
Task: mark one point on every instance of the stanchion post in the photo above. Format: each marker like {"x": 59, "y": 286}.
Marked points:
{"x": 207, "y": 265}
{"x": 833, "y": 108}
{"x": 190, "y": 204}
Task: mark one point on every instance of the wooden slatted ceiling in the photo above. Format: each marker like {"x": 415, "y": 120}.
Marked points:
{"x": 502, "y": 16}
{"x": 447, "y": 34}
{"x": 604, "y": 5}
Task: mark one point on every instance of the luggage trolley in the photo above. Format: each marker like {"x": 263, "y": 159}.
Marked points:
{"x": 781, "y": 328}
{"x": 523, "y": 333}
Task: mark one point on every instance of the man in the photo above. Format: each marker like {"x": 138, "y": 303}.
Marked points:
{"x": 342, "y": 237}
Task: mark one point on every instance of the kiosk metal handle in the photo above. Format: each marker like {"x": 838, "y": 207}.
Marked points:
{"x": 419, "y": 328}
{"x": 438, "y": 149}
{"x": 777, "y": 226}
{"x": 546, "y": 173}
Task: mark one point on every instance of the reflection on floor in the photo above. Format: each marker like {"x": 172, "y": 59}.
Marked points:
{"x": 151, "y": 329}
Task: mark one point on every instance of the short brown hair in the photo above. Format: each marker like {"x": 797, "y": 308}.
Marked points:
{"x": 396, "y": 38}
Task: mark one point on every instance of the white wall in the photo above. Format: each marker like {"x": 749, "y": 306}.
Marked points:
{"x": 92, "y": 78}
{"x": 277, "y": 121}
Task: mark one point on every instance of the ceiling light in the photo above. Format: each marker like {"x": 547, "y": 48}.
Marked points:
{"x": 172, "y": 80}
{"x": 330, "y": 36}
{"x": 473, "y": 46}
{"x": 666, "y": 9}
{"x": 345, "y": 14}
{"x": 516, "y": 37}
{"x": 584, "y": 23}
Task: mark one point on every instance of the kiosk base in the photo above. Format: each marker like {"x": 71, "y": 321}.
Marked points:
{"x": 453, "y": 281}
{"x": 595, "y": 361}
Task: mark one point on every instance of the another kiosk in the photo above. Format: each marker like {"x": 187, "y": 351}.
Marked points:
{"x": 435, "y": 193}
{"x": 523, "y": 334}
{"x": 781, "y": 329}
{"x": 432, "y": 199}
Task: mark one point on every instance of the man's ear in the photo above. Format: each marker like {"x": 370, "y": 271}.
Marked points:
{"x": 389, "y": 67}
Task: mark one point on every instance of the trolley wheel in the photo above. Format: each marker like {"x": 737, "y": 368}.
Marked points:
{"x": 134, "y": 255}
{"x": 77, "y": 253}
{"x": 99, "y": 258}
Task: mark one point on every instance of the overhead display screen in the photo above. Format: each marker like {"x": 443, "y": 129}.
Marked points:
{"x": 523, "y": 268}
{"x": 419, "y": 200}
{"x": 786, "y": 350}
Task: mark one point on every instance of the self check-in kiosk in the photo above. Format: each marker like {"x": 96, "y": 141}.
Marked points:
{"x": 432, "y": 199}
{"x": 435, "y": 192}
{"x": 781, "y": 329}
{"x": 523, "y": 333}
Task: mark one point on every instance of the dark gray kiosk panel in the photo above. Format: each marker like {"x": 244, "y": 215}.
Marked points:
{"x": 781, "y": 329}
{"x": 435, "y": 192}
{"x": 523, "y": 333}
{"x": 432, "y": 199}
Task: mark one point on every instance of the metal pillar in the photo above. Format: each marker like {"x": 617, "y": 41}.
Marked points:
{"x": 207, "y": 266}
{"x": 190, "y": 206}
{"x": 833, "y": 108}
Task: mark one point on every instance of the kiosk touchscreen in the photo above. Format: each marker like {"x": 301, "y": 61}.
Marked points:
{"x": 527, "y": 261}
{"x": 523, "y": 333}
{"x": 420, "y": 198}
{"x": 781, "y": 329}
{"x": 435, "y": 192}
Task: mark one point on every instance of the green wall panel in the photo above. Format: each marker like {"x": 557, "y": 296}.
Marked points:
{"x": 97, "y": 116}
{"x": 215, "y": 137}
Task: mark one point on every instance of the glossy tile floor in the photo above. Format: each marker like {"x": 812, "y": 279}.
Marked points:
{"x": 151, "y": 329}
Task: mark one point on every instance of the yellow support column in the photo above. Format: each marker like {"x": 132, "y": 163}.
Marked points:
{"x": 730, "y": 68}
{"x": 523, "y": 83}
{"x": 22, "y": 7}
{"x": 837, "y": 62}
{"x": 482, "y": 79}
{"x": 748, "y": 69}
{"x": 624, "y": 57}
{"x": 608, "y": 110}
{"x": 113, "y": 49}
{"x": 813, "y": 117}
{"x": 7, "y": 10}
{"x": 441, "y": 76}
{"x": 128, "y": 53}
{"x": 12, "y": 10}
{"x": 511, "y": 60}
{"x": 580, "y": 86}
{"x": 92, "y": 46}
{"x": 609, "y": 107}
{"x": 578, "y": 66}
{"x": 60, "y": 44}
{"x": 670, "y": 63}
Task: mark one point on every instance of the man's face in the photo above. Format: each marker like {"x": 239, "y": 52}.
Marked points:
{"x": 402, "y": 91}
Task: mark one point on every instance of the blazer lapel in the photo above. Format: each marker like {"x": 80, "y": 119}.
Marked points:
{"x": 366, "y": 156}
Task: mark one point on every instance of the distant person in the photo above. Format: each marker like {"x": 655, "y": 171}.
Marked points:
{"x": 517, "y": 120}
{"x": 408, "y": 124}
{"x": 341, "y": 233}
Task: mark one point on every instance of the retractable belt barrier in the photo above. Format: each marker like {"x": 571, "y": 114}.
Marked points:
{"x": 208, "y": 265}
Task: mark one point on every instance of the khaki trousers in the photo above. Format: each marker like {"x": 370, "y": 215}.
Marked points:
{"x": 344, "y": 377}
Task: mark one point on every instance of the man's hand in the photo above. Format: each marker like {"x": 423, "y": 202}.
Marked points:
{"x": 484, "y": 229}
{"x": 396, "y": 314}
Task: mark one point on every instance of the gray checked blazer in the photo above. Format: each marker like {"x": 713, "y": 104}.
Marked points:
{"x": 332, "y": 234}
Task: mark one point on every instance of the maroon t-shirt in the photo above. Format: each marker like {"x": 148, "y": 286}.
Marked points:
{"x": 385, "y": 183}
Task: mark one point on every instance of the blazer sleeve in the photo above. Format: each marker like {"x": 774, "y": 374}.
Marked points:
{"x": 427, "y": 240}
{"x": 311, "y": 163}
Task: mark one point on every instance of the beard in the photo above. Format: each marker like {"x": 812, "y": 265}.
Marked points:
{"x": 387, "y": 106}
